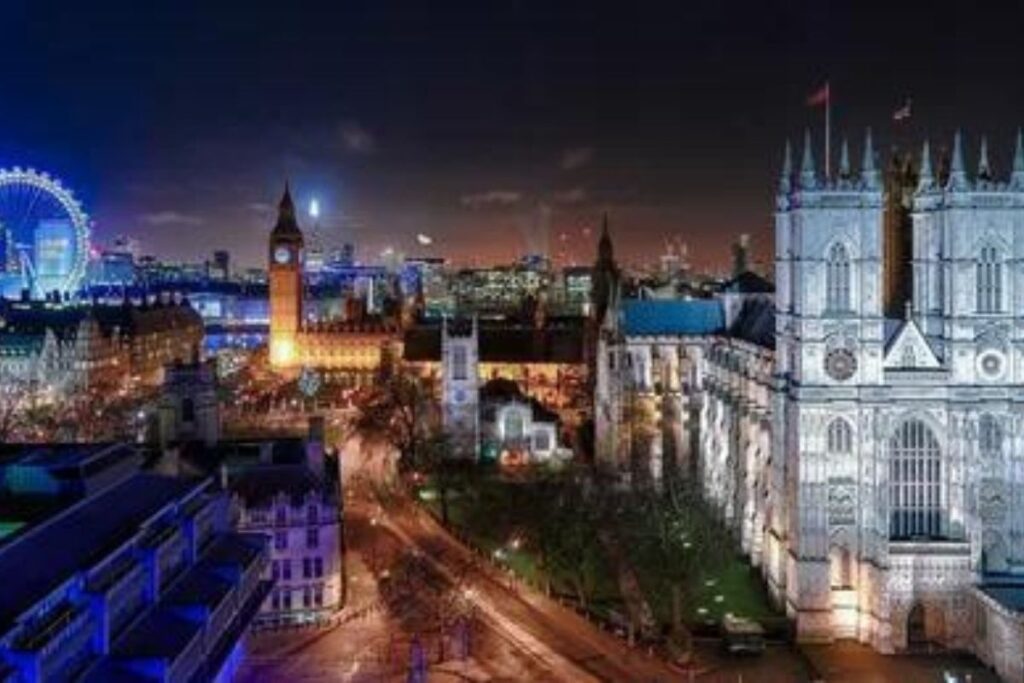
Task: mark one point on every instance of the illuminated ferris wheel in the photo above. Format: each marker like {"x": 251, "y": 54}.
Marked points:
{"x": 44, "y": 234}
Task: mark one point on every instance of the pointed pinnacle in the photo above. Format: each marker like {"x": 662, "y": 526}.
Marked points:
{"x": 957, "y": 174}
{"x": 787, "y": 170}
{"x": 1017, "y": 174}
{"x": 868, "y": 172}
{"x": 984, "y": 170}
{"x": 926, "y": 180}
{"x": 808, "y": 179}
{"x": 844, "y": 160}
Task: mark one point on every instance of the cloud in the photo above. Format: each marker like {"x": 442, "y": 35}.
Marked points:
{"x": 490, "y": 198}
{"x": 259, "y": 207}
{"x": 357, "y": 139}
{"x": 577, "y": 157}
{"x": 163, "y": 218}
{"x": 574, "y": 195}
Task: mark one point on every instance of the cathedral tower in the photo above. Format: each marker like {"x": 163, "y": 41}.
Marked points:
{"x": 460, "y": 386}
{"x": 605, "y": 275}
{"x": 285, "y": 257}
{"x": 829, "y": 349}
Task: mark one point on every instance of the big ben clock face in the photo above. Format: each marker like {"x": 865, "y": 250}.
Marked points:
{"x": 282, "y": 255}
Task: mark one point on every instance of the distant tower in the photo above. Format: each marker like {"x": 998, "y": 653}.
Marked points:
{"x": 285, "y": 257}
{"x": 741, "y": 255}
{"x": 605, "y": 275}
{"x": 460, "y": 387}
{"x": 188, "y": 404}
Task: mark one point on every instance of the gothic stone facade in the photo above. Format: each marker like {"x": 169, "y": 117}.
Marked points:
{"x": 872, "y": 466}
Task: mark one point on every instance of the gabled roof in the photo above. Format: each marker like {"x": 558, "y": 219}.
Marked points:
{"x": 908, "y": 349}
{"x": 79, "y": 537}
{"x": 755, "y": 322}
{"x": 671, "y": 317}
{"x": 749, "y": 282}
{"x": 505, "y": 343}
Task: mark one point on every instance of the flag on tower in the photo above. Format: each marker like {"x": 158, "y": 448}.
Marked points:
{"x": 819, "y": 97}
{"x": 903, "y": 112}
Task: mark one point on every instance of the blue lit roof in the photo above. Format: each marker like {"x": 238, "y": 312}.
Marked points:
{"x": 671, "y": 317}
{"x": 43, "y": 558}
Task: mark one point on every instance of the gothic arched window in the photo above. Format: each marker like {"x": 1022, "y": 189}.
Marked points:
{"x": 915, "y": 482}
{"x": 837, "y": 279}
{"x": 840, "y": 437}
{"x": 989, "y": 271}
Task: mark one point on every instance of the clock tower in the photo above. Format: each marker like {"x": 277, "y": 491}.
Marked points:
{"x": 285, "y": 254}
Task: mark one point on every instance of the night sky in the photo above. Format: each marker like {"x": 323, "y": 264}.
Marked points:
{"x": 480, "y": 122}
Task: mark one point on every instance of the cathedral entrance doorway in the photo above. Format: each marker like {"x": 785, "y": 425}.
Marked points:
{"x": 917, "y": 635}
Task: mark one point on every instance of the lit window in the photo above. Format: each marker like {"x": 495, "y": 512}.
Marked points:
{"x": 915, "y": 488}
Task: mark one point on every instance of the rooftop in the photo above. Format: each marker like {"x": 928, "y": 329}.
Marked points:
{"x": 557, "y": 342}
{"x": 35, "y": 563}
{"x": 258, "y": 484}
{"x": 669, "y": 317}
{"x": 1010, "y": 594}
{"x": 160, "y": 635}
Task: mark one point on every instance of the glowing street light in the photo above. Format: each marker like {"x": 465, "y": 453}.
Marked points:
{"x": 314, "y": 208}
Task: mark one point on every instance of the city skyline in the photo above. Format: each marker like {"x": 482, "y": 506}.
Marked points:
{"x": 476, "y": 126}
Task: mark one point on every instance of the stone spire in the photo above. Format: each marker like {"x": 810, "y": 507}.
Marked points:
{"x": 957, "y": 174}
{"x": 1017, "y": 174}
{"x": 844, "y": 160}
{"x": 287, "y": 225}
{"x": 868, "y": 173}
{"x": 808, "y": 179}
{"x": 984, "y": 169}
{"x": 786, "y": 180}
{"x": 926, "y": 179}
{"x": 605, "y": 252}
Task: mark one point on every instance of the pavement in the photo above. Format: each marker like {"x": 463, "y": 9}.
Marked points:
{"x": 849, "y": 662}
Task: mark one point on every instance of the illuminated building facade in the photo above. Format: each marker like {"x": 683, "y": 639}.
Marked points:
{"x": 138, "y": 580}
{"x": 66, "y": 348}
{"x": 284, "y": 490}
{"x": 871, "y": 464}
{"x": 354, "y": 348}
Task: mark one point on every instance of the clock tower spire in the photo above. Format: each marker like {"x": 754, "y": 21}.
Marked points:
{"x": 285, "y": 271}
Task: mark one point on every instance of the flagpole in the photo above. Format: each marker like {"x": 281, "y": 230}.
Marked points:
{"x": 828, "y": 129}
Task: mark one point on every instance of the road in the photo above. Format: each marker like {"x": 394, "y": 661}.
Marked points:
{"x": 510, "y": 632}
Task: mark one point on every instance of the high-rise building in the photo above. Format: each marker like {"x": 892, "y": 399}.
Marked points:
{"x": 220, "y": 268}
{"x": 54, "y": 254}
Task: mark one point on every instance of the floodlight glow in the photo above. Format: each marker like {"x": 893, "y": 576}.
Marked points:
{"x": 314, "y": 208}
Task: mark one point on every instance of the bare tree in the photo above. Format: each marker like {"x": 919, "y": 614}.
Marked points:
{"x": 399, "y": 411}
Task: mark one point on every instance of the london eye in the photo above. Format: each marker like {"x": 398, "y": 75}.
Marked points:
{"x": 44, "y": 235}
